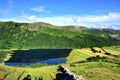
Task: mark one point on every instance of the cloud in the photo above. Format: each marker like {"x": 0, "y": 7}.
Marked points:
{"x": 39, "y": 9}
{"x": 73, "y": 19}
{"x": 110, "y": 17}
{"x": 28, "y": 18}
{"x": 109, "y": 20}
{"x": 7, "y": 10}
{"x": 99, "y": 21}
{"x": 106, "y": 11}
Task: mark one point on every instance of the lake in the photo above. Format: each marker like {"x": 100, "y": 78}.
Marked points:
{"x": 49, "y": 62}
{"x": 38, "y": 56}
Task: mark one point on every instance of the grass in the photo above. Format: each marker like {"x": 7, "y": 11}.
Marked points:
{"x": 47, "y": 73}
{"x": 81, "y": 54}
{"x": 113, "y": 50}
{"x": 75, "y": 56}
{"x": 89, "y": 52}
{"x": 96, "y": 70}
{"x": 90, "y": 70}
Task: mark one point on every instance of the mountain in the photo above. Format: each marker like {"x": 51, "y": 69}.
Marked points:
{"x": 37, "y": 35}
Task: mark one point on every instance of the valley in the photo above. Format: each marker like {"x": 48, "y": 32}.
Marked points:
{"x": 37, "y": 50}
{"x": 77, "y": 62}
{"x": 59, "y": 39}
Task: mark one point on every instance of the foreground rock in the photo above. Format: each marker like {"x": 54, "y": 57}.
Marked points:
{"x": 65, "y": 74}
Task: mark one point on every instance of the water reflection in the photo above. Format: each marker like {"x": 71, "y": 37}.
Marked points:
{"x": 49, "y": 62}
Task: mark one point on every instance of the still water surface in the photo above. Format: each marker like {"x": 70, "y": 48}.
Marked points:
{"x": 49, "y": 62}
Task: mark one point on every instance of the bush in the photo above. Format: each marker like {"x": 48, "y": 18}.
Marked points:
{"x": 72, "y": 65}
{"x": 107, "y": 53}
{"x": 37, "y": 65}
{"x": 96, "y": 58}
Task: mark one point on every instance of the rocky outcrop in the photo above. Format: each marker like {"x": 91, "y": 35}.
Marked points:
{"x": 66, "y": 74}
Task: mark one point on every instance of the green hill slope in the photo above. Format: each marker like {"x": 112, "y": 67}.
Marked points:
{"x": 92, "y": 70}
{"x": 33, "y": 36}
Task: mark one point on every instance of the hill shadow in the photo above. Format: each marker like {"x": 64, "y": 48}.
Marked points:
{"x": 38, "y": 54}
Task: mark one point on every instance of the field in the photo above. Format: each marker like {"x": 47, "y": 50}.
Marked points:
{"x": 17, "y": 73}
{"x": 94, "y": 70}
{"x": 97, "y": 70}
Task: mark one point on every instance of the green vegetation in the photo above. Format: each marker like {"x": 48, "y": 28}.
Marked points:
{"x": 2, "y": 56}
{"x": 80, "y": 61}
{"x": 33, "y": 36}
{"x": 81, "y": 54}
{"x": 87, "y": 57}
{"x": 97, "y": 67}
{"x": 37, "y": 65}
{"x": 97, "y": 70}
{"x": 75, "y": 56}
{"x": 18, "y": 73}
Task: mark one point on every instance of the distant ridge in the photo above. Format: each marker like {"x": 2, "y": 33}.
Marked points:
{"x": 47, "y": 36}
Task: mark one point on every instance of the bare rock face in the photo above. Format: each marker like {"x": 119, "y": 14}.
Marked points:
{"x": 65, "y": 74}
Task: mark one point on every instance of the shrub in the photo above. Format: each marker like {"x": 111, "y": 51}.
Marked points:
{"x": 107, "y": 53}
{"x": 37, "y": 65}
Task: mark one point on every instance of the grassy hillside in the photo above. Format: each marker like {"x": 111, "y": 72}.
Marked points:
{"x": 96, "y": 70}
{"x": 90, "y": 55}
{"x": 81, "y": 54}
{"x": 33, "y": 36}
{"x": 85, "y": 62}
{"x": 106, "y": 69}
{"x": 18, "y": 73}
{"x": 90, "y": 70}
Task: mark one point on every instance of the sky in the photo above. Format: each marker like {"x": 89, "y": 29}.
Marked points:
{"x": 89, "y": 13}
